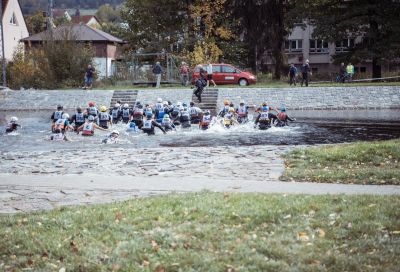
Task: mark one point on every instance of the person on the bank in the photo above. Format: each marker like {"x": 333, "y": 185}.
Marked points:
{"x": 342, "y": 73}
{"x": 305, "y": 73}
{"x": 89, "y": 77}
{"x": 185, "y": 74}
{"x": 157, "y": 71}
{"x": 292, "y": 74}
{"x": 210, "y": 75}
{"x": 350, "y": 71}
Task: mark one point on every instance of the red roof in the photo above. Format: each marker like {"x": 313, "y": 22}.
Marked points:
{"x": 83, "y": 19}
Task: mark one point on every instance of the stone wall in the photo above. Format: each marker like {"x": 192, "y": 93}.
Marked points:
{"x": 48, "y": 100}
{"x": 379, "y": 97}
{"x": 173, "y": 95}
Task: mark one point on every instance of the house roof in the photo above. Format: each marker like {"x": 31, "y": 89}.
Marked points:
{"x": 78, "y": 32}
{"x": 83, "y": 19}
{"x": 4, "y": 5}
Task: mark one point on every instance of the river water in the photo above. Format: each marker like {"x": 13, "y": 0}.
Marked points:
{"x": 311, "y": 127}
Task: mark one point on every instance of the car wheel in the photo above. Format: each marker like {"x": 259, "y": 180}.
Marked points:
{"x": 243, "y": 82}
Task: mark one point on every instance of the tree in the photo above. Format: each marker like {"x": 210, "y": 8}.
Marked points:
{"x": 377, "y": 21}
{"x": 36, "y": 23}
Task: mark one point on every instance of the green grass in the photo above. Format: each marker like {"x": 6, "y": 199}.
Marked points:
{"x": 360, "y": 163}
{"x": 209, "y": 232}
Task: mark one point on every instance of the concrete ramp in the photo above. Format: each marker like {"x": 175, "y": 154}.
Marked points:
{"x": 209, "y": 100}
{"x": 125, "y": 96}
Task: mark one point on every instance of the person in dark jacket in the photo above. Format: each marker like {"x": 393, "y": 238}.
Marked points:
{"x": 292, "y": 74}
{"x": 157, "y": 71}
{"x": 305, "y": 72}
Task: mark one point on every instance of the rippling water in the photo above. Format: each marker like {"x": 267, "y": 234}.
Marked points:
{"x": 309, "y": 129}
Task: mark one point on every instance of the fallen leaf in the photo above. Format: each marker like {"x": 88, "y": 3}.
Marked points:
{"x": 73, "y": 245}
{"x": 371, "y": 205}
{"x": 145, "y": 263}
{"x": 116, "y": 267}
{"x": 62, "y": 269}
{"x": 321, "y": 233}
{"x": 155, "y": 246}
{"x": 302, "y": 236}
{"x": 396, "y": 232}
{"x": 160, "y": 268}
{"x": 287, "y": 216}
{"x": 118, "y": 216}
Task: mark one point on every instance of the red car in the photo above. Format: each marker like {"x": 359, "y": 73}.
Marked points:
{"x": 227, "y": 74}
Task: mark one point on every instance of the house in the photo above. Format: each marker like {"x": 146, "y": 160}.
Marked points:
{"x": 59, "y": 13}
{"x": 14, "y": 27}
{"x": 300, "y": 46}
{"x": 89, "y": 20}
{"x": 104, "y": 44}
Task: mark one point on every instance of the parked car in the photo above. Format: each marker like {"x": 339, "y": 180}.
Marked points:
{"x": 227, "y": 74}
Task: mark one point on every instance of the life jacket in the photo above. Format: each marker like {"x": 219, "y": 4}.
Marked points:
{"x": 148, "y": 125}
{"x": 148, "y": 111}
{"x": 159, "y": 106}
{"x": 104, "y": 116}
{"x": 59, "y": 125}
{"x": 206, "y": 120}
{"x": 185, "y": 116}
{"x": 242, "y": 111}
{"x": 58, "y": 137}
{"x": 125, "y": 113}
{"x": 282, "y": 116}
{"x": 175, "y": 112}
{"x": 93, "y": 111}
{"x": 264, "y": 116}
{"x": 88, "y": 129}
{"x": 137, "y": 112}
{"x": 161, "y": 114}
{"x": 166, "y": 121}
{"x": 79, "y": 118}
{"x": 115, "y": 113}
{"x": 57, "y": 115}
{"x": 193, "y": 112}
{"x": 228, "y": 119}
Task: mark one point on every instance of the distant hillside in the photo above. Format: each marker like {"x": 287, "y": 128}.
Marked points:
{"x": 31, "y": 6}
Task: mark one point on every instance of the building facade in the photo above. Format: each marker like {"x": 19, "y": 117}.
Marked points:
{"x": 14, "y": 27}
{"x": 301, "y": 46}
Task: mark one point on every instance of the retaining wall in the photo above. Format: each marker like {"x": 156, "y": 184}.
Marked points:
{"x": 48, "y": 100}
{"x": 380, "y": 97}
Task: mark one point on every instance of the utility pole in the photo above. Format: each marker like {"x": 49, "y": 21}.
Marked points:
{"x": 50, "y": 15}
{"x": 3, "y": 58}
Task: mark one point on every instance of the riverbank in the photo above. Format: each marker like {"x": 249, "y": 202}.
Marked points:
{"x": 209, "y": 232}
{"x": 359, "y": 163}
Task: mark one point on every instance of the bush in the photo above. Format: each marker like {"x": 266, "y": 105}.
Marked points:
{"x": 55, "y": 64}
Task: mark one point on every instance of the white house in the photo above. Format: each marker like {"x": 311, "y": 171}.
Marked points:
{"x": 14, "y": 27}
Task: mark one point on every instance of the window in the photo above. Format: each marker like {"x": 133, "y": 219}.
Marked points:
{"x": 216, "y": 69}
{"x": 293, "y": 45}
{"x": 344, "y": 45}
{"x": 319, "y": 46}
{"x": 13, "y": 19}
{"x": 228, "y": 69}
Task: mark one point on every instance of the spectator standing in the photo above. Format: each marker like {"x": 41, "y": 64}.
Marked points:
{"x": 89, "y": 77}
{"x": 305, "y": 72}
{"x": 210, "y": 75}
{"x": 184, "y": 74}
{"x": 157, "y": 71}
{"x": 350, "y": 71}
{"x": 292, "y": 74}
{"x": 342, "y": 73}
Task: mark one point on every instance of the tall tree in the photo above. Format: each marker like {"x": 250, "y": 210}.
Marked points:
{"x": 376, "y": 21}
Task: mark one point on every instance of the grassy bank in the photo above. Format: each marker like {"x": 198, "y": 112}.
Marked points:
{"x": 360, "y": 163}
{"x": 209, "y": 232}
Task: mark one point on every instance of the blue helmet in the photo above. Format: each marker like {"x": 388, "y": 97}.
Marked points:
{"x": 265, "y": 108}
{"x": 283, "y": 109}
{"x": 149, "y": 114}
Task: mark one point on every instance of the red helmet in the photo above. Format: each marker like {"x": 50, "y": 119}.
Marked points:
{"x": 91, "y": 104}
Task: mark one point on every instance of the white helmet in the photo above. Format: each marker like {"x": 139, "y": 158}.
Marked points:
{"x": 91, "y": 118}
{"x": 115, "y": 132}
{"x": 178, "y": 104}
{"x": 14, "y": 119}
{"x": 65, "y": 116}
{"x": 242, "y": 101}
{"x": 126, "y": 105}
{"x": 117, "y": 105}
{"x": 159, "y": 100}
{"x": 165, "y": 103}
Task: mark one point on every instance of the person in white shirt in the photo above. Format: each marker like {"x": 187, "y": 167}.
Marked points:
{"x": 210, "y": 75}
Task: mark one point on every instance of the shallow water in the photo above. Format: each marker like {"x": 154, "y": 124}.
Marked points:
{"x": 311, "y": 127}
